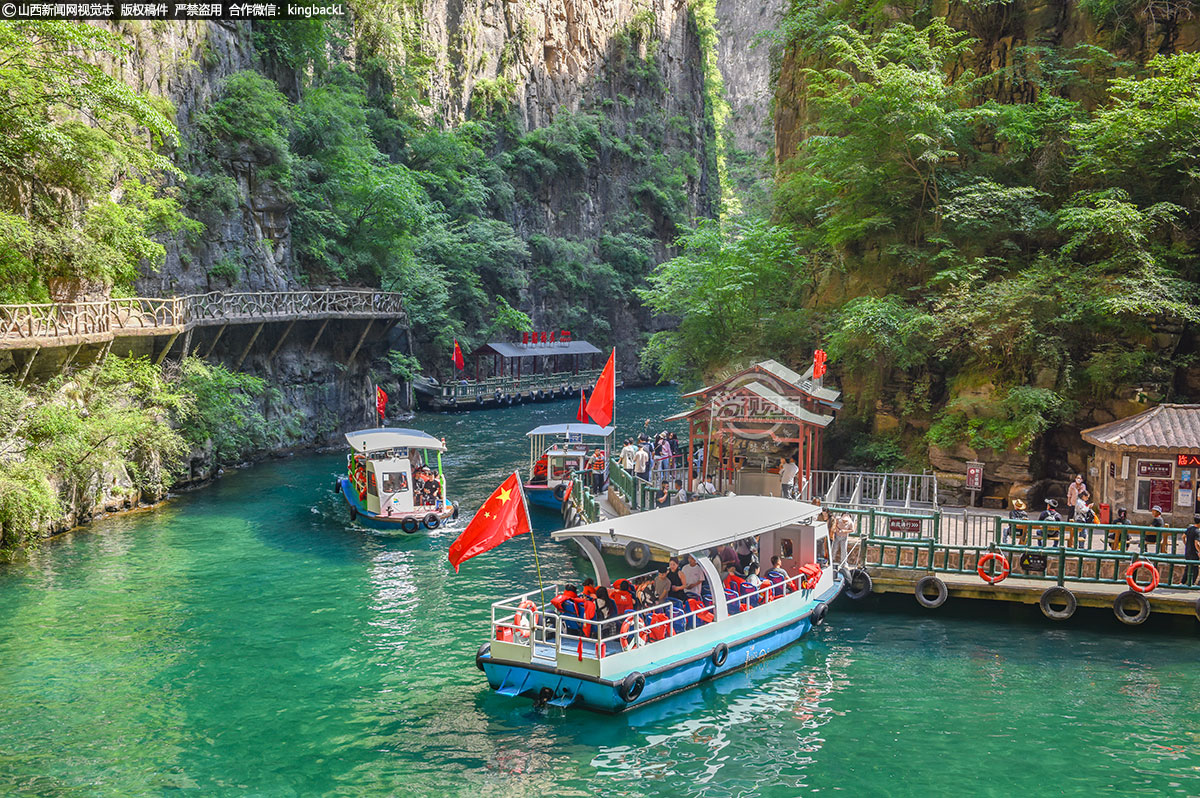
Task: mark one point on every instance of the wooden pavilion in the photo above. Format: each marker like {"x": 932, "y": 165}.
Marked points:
{"x": 767, "y": 408}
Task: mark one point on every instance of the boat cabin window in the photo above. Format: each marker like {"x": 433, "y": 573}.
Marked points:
{"x": 372, "y": 486}
{"x": 785, "y": 549}
{"x": 395, "y": 482}
{"x": 564, "y": 467}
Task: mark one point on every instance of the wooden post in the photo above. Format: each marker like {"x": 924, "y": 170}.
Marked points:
{"x": 249, "y": 344}
{"x": 28, "y": 364}
{"x": 282, "y": 338}
{"x": 71, "y": 357}
{"x": 187, "y": 343}
{"x": 170, "y": 343}
{"x": 691, "y": 452}
{"x": 361, "y": 338}
{"x": 213, "y": 345}
{"x": 317, "y": 337}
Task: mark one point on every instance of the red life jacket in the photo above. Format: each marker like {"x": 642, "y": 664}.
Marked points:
{"x": 558, "y": 600}
{"x": 589, "y": 591}
{"x": 734, "y": 583}
{"x": 659, "y": 632}
{"x": 622, "y": 600}
{"x": 539, "y": 468}
{"x": 696, "y": 604}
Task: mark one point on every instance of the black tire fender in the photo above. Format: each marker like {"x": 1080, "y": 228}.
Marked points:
{"x": 337, "y": 485}
{"x": 454, "y": 516}
{"x": 409, "y": 525}
{"x": 631, "y": 687}
{"x": 859, "y": 585}
{"x": 353, "y": 515}
{"x": 485, "y": 652}
{"x": 637, "y": 554}
{"x": 560, "y": 491}
{"x": 719, "y": 654}
{"x": 431, "y": 521}
{"x": 1123, "y": 600}
{"x": 1055, "y": 594}
{"x": 817, "y": 617}
{"x": 925, "y": 582}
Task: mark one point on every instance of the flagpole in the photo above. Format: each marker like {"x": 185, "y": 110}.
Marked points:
{"x": 537, "y": 565}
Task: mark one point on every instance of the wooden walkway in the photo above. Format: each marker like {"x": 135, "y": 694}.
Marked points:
{"x": 37, "y": 326}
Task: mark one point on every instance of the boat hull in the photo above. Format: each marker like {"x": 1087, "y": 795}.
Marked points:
{"x": 604, "y": 695}
{"x": 543, "y": 496}
{"x": 393, "y": 523}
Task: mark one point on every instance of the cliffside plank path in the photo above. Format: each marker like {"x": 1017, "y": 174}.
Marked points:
{"x": 43, "y": 326}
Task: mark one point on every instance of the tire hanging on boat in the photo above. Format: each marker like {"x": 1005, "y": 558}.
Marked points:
{"x": 432, "y": 521}
{"x": 560, "y": 491}
{"x": 409, "y": 525}
{"x": 818, "y": 614}
{"x": 931, "y": 581}
{"x": 859, "y": 586}
{"x": 1143, "y": 608}
{"x": 353, "y": 515}
{"x": 719, "y": 654}
{"x": 637, "y": 554}
{"x": 631, "y": 687}
{"x": 484, "y": 651}
{"x": 1057, "y": 594}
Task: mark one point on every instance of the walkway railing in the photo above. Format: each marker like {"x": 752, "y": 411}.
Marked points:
{"x": 38, "y": 325}
{"x": 872, "y": 489}
{"x": 560, "y": 381}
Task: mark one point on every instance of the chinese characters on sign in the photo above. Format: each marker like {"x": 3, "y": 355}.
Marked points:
{"x": 176, "y": 11}
{"x": 1154, "y": 468}
{"x": 974, "y": 476}
{"x": 1187, "y": 460}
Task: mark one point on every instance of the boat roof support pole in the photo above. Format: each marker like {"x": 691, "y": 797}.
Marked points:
{"x": 720, "y": 607}
{"x": 597, "y": 560}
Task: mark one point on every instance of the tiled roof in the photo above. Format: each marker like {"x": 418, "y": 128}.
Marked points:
{"x": 1174, "y": 428}
{"x": 781, "y": 405}
{"x": 803, "y": 382}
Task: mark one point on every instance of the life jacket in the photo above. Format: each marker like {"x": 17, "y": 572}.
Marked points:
{"x": 624, "y": 584}
{"x": 539, "y": 468}
{"x": 622, "y": 600}
{"x": 589, "y": 591}
{"x": 734, "y": 582}
{"x": 658, "y": 632}
{"x": 810, "y": 574}
{"x": 702, "y": 617}
{"x": 558, "y": 600}
{"x": 597, "y": 462}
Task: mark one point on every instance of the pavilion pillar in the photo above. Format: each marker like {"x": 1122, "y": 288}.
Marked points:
{"x": 691, "y": 452}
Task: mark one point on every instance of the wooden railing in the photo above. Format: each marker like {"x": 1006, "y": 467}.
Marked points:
{"x": 35, "y": 325}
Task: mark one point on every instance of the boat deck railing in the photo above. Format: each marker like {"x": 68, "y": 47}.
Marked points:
{"x": 507, "y": 385}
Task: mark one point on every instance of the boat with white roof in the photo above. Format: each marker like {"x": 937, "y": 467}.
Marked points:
{"x": 557, "y": 452}
{"x": 394, "y": 480}
{"x": 558, "y": 652}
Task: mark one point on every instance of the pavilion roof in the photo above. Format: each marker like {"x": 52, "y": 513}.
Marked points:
{"x": 1165, "y": 428}
{"x": 781, "y": 406}
{"x": 803, "y": 383}
{"x": 507, "y": 349}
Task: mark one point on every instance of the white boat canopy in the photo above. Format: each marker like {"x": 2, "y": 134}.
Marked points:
{"x": 699, "y": 525}
{"x": 571, "y": 429}
{"x": 374, "y": 440}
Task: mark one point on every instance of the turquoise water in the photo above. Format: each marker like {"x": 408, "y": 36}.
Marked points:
{"x": 244, "y": 641}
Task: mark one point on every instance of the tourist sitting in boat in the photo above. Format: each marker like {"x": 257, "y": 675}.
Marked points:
{"x": 676, "y": 579}
{"x": 606, "y": 611}
{"x": 693, "y": 576}
{"x": 589, "y": 587}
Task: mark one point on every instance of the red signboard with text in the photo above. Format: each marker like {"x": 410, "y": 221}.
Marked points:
{"x": 1162, "y": 494}
{"x": 1188, "y": 460}
{"x": 1154, "y": 468}
{"x": 904, "y": 526}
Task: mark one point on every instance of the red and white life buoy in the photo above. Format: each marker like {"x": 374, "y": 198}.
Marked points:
{"x": 1132, "y": 570}
{"x": 633, "y": 633}
{"x": 987, "y": 558}
{"x": 525, "y": 619}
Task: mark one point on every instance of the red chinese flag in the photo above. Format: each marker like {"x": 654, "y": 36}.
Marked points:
{"x": 582, "y": 416}
{"x": 819, "y": 368}
{"x": 604, "y": 395}
{"x": 501, "y": 517}
{"x": 458, "y": 358}
{"x": 380, "y": 401}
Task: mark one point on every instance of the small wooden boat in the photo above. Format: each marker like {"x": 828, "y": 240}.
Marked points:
{"x": 555, "y": 652}
{"x": 394, "y": 480}
{"x": 556, "y": 452}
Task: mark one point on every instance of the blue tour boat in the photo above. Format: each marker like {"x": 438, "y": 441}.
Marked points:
{"x": 394, "y": 480}
{"x": 556, "y": 452}
{"x": 554, "y": 651}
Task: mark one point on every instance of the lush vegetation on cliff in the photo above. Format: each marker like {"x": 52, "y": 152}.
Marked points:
{"x": 990, "y": 267}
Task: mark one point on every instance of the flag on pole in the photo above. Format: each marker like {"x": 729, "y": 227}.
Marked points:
{"x": 819, "y": 367}
{"x": 501, "y": 517}
{"x": 582, "y": 416}
{"x": 604, "y": 395}
{"x": 457, "y": 359}
{"x": 380, "y": 402}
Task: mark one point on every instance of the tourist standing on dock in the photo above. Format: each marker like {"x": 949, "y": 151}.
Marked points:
{"x": 1157, "y": 520}
{"x": 1191, "y": 550}
{"x": 787, "y": 478}
{"x": 681, "y": 496}
{"x": 839, "y": 536}
{"x": 641, "y": 463}
{"x": 664, "y": 496}
{"x": 1073, "y": 491}
{"x": 627, "y": 454}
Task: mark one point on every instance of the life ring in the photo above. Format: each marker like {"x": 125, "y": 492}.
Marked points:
{"x": 560, "y": 491}
{"x": 432, "y": 521}
{"x": 923, "y": 598}
{"x": 631, "y": 687}
{"x": 409, "y": 525}
{"x": 990, "y": 578}
{"x": 719, "y": 654}
{"x": 1057, "y": 594}
{"x": 1133, "y": 569}
{"x": 485, "y": 651}
{"x": 817, "y": 617}
{"x": 637, "y": 554}
{"x": 1121, "y": 604}
{"x": 633, "y": 633}
{"x": 525, "y": 619}
{"x": 859, "y": 586}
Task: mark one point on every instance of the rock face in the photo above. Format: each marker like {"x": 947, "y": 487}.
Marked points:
{"x": 744, "y": 55}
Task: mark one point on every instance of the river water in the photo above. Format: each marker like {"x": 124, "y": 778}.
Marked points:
{"x": 242, "y": 640}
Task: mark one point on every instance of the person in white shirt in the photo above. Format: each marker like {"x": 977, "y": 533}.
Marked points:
{"x": 627, "y": 453}
{"x": 641, "y": 463}
{"x": 693, "y": 576}
{"x": 681, "y": 495}
{"x": 787, "y": 478}
{"x": 705, "y": 488}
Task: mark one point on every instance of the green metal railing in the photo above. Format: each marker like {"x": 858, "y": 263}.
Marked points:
{"x": 1075, "y": 535}
{"x": 581, "y": 496}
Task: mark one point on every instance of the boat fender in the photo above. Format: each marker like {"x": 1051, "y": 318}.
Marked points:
{"x": 1002, "y": 561}
{"x": 631, "y": 687}
{"x": 337, "y": 485}
{"x": 720, "y": 654}
{"x": 859, "y": 585}
{"x": 454, "y": 516}
{"x": 560, "y": 491}
{"x": 1054, "y": 595}
{"x": 432, "y": 521}
{"x": 499, "y": 394}
{"x": 921, "y": 592}
{"x": 353, "y": 515}
{"x": 1132, "y": 570}
{"x": 485, "y": 652}
{"x": 637, "y": 554}
{"x": 409, "y": 525}
{"x": 1121, "y": 608}
{"x": 818, "y": 614}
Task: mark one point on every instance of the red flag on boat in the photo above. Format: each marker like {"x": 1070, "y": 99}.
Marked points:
{"x": 604, "y": 395}
{"x": 458, "y": 358}
{"x": 582, "y": 416}
{"x": 380, "y": 401}
{"x": 501, "y": 517}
